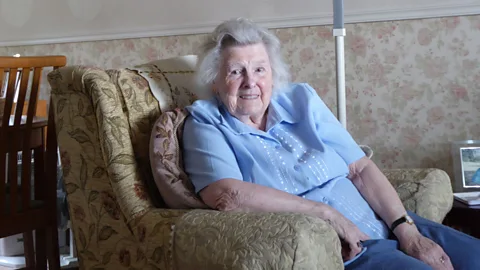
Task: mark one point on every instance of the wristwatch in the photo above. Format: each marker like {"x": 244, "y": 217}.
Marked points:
{"x": 403, "y": 219}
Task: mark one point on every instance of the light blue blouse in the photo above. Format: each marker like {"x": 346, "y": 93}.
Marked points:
{"x": 304, "y": 151}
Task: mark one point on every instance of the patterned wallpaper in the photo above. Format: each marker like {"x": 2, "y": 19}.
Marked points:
{"x": 413, "y": 86}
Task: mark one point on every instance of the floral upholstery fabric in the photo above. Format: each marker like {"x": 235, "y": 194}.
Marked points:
{"x": 117, "y": 147}
{"x": 427, "y": 192}
{"x": 102, "y": 236}
{"x": 140, "y": 111}
{"x": 104, "y": 121}
{"x": 244, "y": 241}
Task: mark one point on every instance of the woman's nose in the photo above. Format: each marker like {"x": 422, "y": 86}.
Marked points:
{"x": 249, "y": 81}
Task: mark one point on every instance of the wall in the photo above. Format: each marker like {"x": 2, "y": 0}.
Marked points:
{"x": 413, "y": 85}
{"x": 29, "y": 22}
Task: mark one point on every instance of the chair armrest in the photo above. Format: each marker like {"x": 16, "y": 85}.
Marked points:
{"x": 210, "y": 240}
{"x": 427, "y": 192}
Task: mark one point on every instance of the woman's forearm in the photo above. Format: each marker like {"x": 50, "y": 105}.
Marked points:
{"x": 379, "y": 193}
{"x": 235, "y": 195}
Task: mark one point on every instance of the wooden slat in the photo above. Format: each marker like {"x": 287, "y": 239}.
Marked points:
{"x": 32, "y": 104}
{"x": 3, "y": 171}
{"x": 2, "y": 75}
{"x": 26, "y": 221}
{"x": 28, "y": 250}
{"x": 12, "y": 156}
{"x": 3, "y": 192}
{"x": 38, "y": 122}
{"x": 41, "y": 109}
{"x": 3, "y": 168}
{"x": 32, "y": 61}
{"x": 41, "y": 254}
{"x": 22, "y": 94}
{"x": 40, "y": 112}
{"x": 13, "y": 181}
{"x": 27, "y": 151}
{"x": 10, "y": 93}
{"x": 39, "y": 161}
{"x": 25, "y": 176}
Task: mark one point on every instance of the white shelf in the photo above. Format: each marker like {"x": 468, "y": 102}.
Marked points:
{"x": 67, "y": 254}
{"x": 19, "y": 261}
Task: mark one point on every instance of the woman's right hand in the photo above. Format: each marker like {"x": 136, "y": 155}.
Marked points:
{"x": 350, "y": 235}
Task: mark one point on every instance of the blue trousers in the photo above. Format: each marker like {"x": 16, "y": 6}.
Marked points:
{"x": 463, "y": 250}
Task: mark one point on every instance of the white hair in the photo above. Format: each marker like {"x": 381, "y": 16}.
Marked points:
{"x": 239, "y": 32}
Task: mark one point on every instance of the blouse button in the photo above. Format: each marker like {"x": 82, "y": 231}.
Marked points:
{"x": 277, "y": 147}
{"x": 296, "y": 168}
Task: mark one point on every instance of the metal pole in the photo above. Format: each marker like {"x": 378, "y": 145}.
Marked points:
{"x": 339, "y": 34}
{"x": 340, "y": 58}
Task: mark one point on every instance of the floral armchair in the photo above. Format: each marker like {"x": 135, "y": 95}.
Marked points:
{"x": 104, "y": 120}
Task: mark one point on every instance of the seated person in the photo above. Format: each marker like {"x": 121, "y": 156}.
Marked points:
{"x": 264, "y": 144}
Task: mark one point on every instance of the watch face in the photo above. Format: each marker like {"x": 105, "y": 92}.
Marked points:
{"x": 409, "y": 219}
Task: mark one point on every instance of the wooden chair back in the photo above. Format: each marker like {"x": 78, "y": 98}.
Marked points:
{"x": 20, "y": 78}
{"x": 40, "y": 111}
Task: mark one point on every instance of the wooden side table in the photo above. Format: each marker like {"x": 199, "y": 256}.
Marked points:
{"x": 465, "y": 218}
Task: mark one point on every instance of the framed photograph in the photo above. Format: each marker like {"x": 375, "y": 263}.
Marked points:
{"x": 466, "y": 165}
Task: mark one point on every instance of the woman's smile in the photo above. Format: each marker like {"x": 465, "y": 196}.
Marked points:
{"x": 249, "y": 97}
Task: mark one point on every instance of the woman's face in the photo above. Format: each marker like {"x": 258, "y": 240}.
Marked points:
{"x": 244, "y": 84}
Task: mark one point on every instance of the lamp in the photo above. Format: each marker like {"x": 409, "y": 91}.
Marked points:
{"x": 339, "y": 33}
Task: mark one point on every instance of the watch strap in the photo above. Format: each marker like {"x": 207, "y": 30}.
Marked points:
{"x": 399, "y": 221}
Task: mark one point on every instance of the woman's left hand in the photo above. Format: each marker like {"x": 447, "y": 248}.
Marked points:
{"x": 424, "y": 249}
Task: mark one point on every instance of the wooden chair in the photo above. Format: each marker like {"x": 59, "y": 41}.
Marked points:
{"x": 26, "y": 205}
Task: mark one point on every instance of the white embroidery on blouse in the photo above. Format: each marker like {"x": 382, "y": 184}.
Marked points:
{"x": 319, "y": 169}
{"x": 281, "y": 175}
{"x": 304, "y": 156}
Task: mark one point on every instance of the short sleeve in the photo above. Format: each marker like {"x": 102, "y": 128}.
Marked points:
{"x": 331, "y": 130}
{"x": 207, "y": 155}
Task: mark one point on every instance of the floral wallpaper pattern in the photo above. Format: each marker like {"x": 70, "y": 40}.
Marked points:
{"x": 413, "y": 86}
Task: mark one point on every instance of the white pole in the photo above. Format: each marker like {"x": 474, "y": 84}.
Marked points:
{"x": 341, "y": 94}
{"x": 339, "y": 33}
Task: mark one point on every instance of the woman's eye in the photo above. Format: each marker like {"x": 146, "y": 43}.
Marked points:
{"x": 235, "y": 72}
{"x": 261, "y": 69}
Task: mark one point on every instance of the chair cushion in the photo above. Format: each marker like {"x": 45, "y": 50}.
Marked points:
{"x": 166, "y": 161}
{"x": 172, "y": 81}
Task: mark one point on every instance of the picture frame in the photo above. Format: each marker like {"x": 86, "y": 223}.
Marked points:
{"x": 466, "y": 166}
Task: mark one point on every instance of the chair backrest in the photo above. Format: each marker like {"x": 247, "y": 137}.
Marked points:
{"x": 20, "y": 79}
{"x": 144, "y": 92}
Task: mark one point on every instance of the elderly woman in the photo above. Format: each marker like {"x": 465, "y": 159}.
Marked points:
{"x": 264, "y": 144}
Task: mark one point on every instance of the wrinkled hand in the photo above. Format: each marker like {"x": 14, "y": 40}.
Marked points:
{"x": 424, "y": 249}
{"x": 350, "y": 235}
